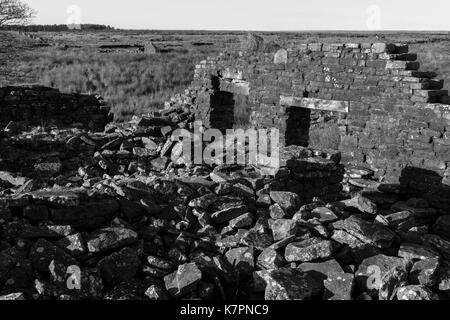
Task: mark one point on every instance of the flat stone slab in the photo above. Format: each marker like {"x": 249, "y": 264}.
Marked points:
{"x": 315, "y": 104}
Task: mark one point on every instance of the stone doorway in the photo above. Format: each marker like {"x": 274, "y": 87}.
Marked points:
{"x": 313, "y": 122}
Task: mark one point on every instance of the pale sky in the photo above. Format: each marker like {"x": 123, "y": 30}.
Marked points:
{"x": 258, "y": 15}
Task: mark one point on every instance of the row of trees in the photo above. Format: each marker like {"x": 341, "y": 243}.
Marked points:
{"x": 53, "y": 28}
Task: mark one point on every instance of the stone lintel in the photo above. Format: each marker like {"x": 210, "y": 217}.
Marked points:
{"x": 315, "y": 104}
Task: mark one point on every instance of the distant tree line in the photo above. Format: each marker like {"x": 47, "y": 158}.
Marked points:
{"x": 54, "y": 27}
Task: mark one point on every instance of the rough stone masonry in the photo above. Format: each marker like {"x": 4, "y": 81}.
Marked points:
{"x": 111, "y": 215}
{"x": 369, "y": 100}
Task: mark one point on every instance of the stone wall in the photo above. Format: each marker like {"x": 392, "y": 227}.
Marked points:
{"x": 41, "y": 106}
{"x": 370, "y": 101}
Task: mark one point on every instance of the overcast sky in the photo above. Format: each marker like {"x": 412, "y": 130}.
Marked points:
{"x": 280, "y": 15}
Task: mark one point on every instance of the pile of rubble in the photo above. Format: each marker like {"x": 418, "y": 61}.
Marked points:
{"x": 109, "y": 215}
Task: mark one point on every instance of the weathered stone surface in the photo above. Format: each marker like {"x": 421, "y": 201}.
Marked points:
{"x": 155, "y": 292}
{"x": 270, "y": 259}
{"x": 339, "y": 286}
{"x": 289, "y": 284}
{"x": 13, "y": 296}
{"x": 415, "y": 292}
{"x": 288, "y": 201}
{"x": 281, "y": 57}
{"x": 425, "y": 272}
{"x": 323, "y": 214}
{"x": 315, "y": 104}
{"x": 245, "y": 220}
{"x": 310, "y": 250}
{"x": 184, "y": 280}
{"x": 393, "y": 279}
{"x": 366, "y": 231}
{"x": 362, "y": 204}
{"x": 73, "y": 244}
{"x": 110, "y": 238}
{"x": 412, "y": 251}
{"x": 283, "y": 228}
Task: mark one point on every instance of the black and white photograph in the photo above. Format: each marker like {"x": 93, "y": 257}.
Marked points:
{"x": 215, "y": 159}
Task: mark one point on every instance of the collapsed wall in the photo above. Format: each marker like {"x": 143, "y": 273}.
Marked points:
{"x": 42, "y": 106}
{"x": 368, "y": 101}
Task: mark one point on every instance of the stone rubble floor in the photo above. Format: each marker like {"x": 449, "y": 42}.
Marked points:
{"x": 137, "y": 226}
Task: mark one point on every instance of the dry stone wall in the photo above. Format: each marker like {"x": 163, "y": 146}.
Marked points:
{"x": 36, "y": 105}
{"x": 370, "y": 101}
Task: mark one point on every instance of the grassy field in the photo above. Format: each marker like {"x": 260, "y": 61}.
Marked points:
{"x": 135, "y": 82}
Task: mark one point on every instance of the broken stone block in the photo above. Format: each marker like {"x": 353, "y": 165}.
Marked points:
{"x": 270, "y": 259}
{"x": 252, "y": 43}
{"x": 310, "y": 250}
{"x": 13, "y": 296}
{"x": 425, "y": 272}
{"x": 281, "y": 57}
{"x": 160, "y": 263}
{"x": 242, "y": 260}
{"x": 245, "y": 220}
{"x": 413, "y": 251}
{"x": 366, "y": 231}
{"x": 438, "y": 243}
{"x": 228, "y": 214}
{"x": 290, "y": 284}
{"x": 276, "y": 212}
{"x": 155, "y": 292}
{"x": 260, "y": 236}
{"x": 283, "y": 228}
{"x": 12, "y": 178}
{"x": 391, "y": 281}
{"x": 288, "y": 201}
{"x": 203, "y": 202}
{"x": 323, "y": 214}
{"x": 120, "y": 266}
{"x": 339, "y": 286}
{"x": 322, "y": 270}
{"x": 72, "y": 244}
{"x": 110, "y": 238}
{"x": 160, "y": 163}
{"x": 415, "y": 292}
{"x": 183, "y": 281}
{"x": 361, "y": 204}
{"x": 443, "y": 279}
{"x": 214, "y": 266}
{"x": 344, "y": 237}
